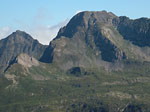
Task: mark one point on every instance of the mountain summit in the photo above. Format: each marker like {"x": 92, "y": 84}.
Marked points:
{"x": 85, "y": 20}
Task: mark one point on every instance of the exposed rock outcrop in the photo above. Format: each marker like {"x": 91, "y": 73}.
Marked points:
{"x": 26, "y": 61}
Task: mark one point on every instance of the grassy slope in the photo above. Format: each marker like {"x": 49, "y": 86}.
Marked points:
{"x": 58, "y": 91}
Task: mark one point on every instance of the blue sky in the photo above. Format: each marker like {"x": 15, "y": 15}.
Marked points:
{"x": 45, "y": 17}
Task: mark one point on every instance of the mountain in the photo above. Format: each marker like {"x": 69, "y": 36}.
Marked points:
{"x": 95, "y": 39}
{"x": 98, "y": 62}
{"x": 16, "y": 43}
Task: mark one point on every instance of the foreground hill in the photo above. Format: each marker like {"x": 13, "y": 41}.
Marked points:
{"x": 41, "y": 87}
{"x": 98, "y": 62}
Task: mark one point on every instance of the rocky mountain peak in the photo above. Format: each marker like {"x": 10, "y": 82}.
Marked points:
{"x": 16, "y": 43}
{"x": 96, "y": 38}
{"x": 87, "y": 16}
{"x": 19, "y": 36}
{"x": 20, "y": 32}
{"x": 84, "y": 20}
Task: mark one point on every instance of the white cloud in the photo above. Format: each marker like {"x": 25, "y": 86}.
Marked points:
{"x": 5, "y": 31}
{"x": 40, "y": 31}
{"x": 46, "y": 33}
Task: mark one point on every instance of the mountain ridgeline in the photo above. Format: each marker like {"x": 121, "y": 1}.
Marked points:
{"x": 90, "y": 39}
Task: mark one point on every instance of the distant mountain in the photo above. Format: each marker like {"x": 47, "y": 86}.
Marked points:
{"x": 94, "y": 39}
{"x": 16, "y": 43}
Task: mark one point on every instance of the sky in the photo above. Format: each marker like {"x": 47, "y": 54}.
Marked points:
{"x": 42, "y": 19}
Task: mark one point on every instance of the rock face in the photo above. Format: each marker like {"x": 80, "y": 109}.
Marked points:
{"x": 137, "y": 31}
{"x": 26, "y": 61}
{"x": 17, "y": 43}
{"x": 94, "y": 39}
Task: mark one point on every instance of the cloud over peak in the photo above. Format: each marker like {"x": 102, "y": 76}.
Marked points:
{"x": 46, "y": 33}
{"x": 5, "y": 31}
